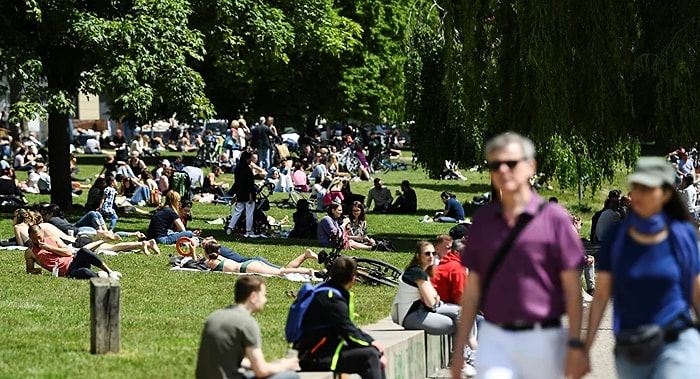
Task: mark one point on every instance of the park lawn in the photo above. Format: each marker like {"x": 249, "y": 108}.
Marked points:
{"x": 45, "y": 321}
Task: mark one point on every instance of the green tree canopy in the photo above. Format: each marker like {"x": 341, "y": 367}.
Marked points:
{"x": 586, "y": 80}
{"x": 134, "y": 51}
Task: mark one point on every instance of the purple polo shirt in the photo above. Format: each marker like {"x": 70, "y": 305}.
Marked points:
{"x": 527, "y": 286}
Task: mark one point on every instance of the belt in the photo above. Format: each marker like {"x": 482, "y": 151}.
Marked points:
{"x": 516, "y": 326}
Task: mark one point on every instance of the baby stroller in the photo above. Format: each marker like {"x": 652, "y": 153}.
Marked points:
{"x": 261, "y": 225}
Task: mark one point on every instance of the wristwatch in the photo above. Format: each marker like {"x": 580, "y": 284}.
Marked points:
{"x": 576, "y": 343}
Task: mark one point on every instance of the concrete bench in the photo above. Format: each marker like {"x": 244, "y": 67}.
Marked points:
{"x": 409, "y": 353}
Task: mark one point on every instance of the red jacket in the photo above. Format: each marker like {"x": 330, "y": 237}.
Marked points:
{"x": 450, "y": 277}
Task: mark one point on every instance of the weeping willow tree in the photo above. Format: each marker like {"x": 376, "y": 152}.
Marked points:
{"x": 587, "y": 81}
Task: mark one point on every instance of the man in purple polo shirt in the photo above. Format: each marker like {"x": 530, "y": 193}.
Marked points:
{"x": 536, "y": 283}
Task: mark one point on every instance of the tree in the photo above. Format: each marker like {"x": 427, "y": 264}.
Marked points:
{"x": 586, "y": 80}
{"x": 136, "y": 52}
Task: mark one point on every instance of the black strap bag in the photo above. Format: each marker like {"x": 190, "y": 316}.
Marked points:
{"x": 641, "y": 345}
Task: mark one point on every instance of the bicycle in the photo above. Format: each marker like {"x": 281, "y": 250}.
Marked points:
{"x": 383, "y": 163}
{"x": 348, "y": 160}
{"x": 369, "y": 271}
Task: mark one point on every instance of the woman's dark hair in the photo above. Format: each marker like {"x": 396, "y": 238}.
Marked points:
{"x": 447, "y": 195}
{"x": 109, "y": 180}
{"x": 358, "y": 204}
{"x": 297, "y": 166}
{"x": 52, "y": 208}
{"x": 100, "y": 184}
{"x": 332, "y": 207}
{"x": 415, "y": 261}
{"x": 212, "y": 250}
{"x": 302, "y": 206}
{"x": 675, "y": 207}
{"x": 145, "y": 175}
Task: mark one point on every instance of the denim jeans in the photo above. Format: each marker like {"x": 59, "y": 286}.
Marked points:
{"x": 171, "y": 238}
{"x": 112, "y": 219}
{"x": 443, "y": 321}
{"x": 80, "y": 267}
{"x": 264, "y": 155}
{"x": 143, "y": 193}
{"x": 93, "y": 219}
{"x": 678, "y": 359}
{"x": 234, "y": 256}
{"x": 446, "y": 219}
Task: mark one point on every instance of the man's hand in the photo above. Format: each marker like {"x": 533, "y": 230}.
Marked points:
{"x": 577, "y": 364}
{"x": 291, "y": 364}
{"x": 43, "y": 246}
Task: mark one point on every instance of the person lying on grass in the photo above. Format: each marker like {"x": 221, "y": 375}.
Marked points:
{"x": 50, "y": 253}
{"x": 24, "y": 219}
{"x": 217, "y": 262}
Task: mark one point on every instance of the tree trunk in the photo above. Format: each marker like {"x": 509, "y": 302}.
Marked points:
{"x": 59, "y": 160}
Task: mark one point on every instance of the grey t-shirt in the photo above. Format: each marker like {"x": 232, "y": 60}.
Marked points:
{"x": 607, "y": 219}
{"x": 226, "y": 335}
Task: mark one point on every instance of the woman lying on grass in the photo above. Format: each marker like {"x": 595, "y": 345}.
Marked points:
{"x": 216, "y": 262}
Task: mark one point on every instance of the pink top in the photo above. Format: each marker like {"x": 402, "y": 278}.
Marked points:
{"x": 299, "y": 178}
{"x": 48, "y": 259}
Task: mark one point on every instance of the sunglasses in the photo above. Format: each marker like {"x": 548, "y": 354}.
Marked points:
{"x": 495, "y": 165}
{"x": 429, "y": 253}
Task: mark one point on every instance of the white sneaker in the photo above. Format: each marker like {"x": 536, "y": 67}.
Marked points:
{"x": 468, "y": 371}
{"x": 229, "y": 231}
{"x": 142, "y": 203}
{"x": 251, "y": 235}
{"x": 115, "y": 275}
{"x": 103, "y": 274}
{"x": 586, "y": 297}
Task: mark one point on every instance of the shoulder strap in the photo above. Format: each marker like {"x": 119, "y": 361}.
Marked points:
{"x": 522, "y": 222}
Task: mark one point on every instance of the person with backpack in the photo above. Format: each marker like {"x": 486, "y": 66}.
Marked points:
{"x": 232, "y": 334}
{"x": 327, "y": 338}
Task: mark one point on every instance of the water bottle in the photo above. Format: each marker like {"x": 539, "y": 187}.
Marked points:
{"x": 54, "y": 272}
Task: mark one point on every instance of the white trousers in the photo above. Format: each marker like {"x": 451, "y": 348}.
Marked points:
{"x": 529, "y": 354}
{"x": 237, "y": 211}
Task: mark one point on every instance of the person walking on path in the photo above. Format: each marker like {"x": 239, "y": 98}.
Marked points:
{"x": 649, "y": 264}
{"x": 231, "y": 339}
{"x": 535, "y": 280}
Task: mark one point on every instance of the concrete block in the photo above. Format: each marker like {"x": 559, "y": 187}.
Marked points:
{"x": 437, "y": 352}
{"x": 404, "y": 350}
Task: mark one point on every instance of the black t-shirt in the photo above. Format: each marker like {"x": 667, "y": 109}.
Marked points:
{"x": 94, "y": 198}
{"x": 244, "y": 184}
{"x": 160, "y": 223}
{"x": 411, "y": 200}
{"x": 412, "y": 274}
{"x": 110, "y": 167}
{"x": 9, "y": 188}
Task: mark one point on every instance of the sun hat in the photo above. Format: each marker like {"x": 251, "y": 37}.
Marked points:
{"x": 653, "y": 172}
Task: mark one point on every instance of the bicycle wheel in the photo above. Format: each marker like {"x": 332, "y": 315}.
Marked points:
{"x": 266, "y": 190}
{"x": 375, "y": 272}
{"x": 295, "y": 196}
{"x": 353, "y": 163}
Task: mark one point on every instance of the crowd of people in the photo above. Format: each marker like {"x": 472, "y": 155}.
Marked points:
{"x": 499, "y": 285}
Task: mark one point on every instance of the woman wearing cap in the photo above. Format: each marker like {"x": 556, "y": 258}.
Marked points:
{"x": 649, "y": 265}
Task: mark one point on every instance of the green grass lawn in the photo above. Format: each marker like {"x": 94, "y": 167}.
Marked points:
{"x": 45, "y": 321}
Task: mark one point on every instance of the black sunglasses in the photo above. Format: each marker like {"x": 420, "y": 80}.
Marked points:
{"x": 429, "y": 253}
{"x": 495, "y": 165}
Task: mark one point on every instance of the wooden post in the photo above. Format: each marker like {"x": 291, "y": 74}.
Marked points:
{"x": 104, "y": 316}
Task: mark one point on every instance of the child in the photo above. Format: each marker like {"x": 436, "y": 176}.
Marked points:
{"x": 107, "y": 204}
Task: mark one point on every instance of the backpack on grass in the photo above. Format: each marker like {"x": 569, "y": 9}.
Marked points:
{"x": 292, "y": 329}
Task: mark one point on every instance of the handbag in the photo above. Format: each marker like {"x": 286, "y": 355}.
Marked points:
{"x": 641, "y": 345}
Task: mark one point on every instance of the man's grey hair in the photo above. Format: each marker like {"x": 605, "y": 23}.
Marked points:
{"x": 501, "y": 141}
{"x": 457, "y": 245}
